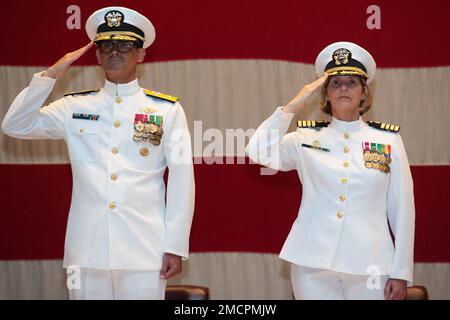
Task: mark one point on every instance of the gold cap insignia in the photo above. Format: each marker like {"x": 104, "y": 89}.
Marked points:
{"x": 114, "y": 18}
{"x": 341, "y": 56}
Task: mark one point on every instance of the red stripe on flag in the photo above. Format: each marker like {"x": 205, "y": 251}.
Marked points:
{"x": 412, "y": 34}
{"x": 236, "y": 210}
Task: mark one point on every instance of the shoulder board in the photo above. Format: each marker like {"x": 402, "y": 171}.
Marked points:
{"x": 160, "y": 95}
{"x": 312, "y": 124}
{"x": 80, "y": 92}
{"x": 384, "y": 126}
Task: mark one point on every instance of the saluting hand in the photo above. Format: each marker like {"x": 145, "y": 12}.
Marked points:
{"x": 171, "y": 266}
{"x": 305, "y": 93}
{"x": 62, "y": 65}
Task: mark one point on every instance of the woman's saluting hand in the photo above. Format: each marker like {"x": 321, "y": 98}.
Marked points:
{"x": 305, "y": 93}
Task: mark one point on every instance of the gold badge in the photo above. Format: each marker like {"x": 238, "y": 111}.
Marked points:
{"x": 148, "y": 110}
{"x": 341, "y": 56}
{"x": 114, "y": 18}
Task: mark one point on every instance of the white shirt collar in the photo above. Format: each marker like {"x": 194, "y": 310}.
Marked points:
{"x": 121, "y": 89}
{"x": 343, "y": 126}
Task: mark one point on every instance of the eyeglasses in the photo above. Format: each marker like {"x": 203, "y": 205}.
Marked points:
{"x": 349, "y": 82}
{"x": 121, "y": 46}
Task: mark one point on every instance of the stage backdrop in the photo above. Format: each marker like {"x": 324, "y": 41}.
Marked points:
{"x": 232, "y": 63}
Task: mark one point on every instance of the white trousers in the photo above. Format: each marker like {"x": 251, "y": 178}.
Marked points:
{"x": 93, "y": 284}
{"x": 319, "y": 284}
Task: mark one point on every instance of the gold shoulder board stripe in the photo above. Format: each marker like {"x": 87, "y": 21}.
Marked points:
{"x": 312, "y": 123}
{"x": 80, "y": 92}
{"x": 160, "y": 95}
{"x": 384, "y": 126}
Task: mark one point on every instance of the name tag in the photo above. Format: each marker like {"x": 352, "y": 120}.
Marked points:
{"x": 315, "y": 147}
{"x": 85, "y": 116}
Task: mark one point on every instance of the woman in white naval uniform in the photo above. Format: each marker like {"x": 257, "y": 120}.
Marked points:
{"x": 356, "y": 184}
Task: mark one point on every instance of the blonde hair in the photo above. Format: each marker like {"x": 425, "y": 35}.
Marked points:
{"x": 364, "y": 105}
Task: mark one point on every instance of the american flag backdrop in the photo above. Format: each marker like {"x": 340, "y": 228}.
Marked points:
{"x": 231, "y": 63}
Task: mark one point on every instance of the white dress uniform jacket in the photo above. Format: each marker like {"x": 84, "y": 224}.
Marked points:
{"x": 343, "y": 218}
{"x": 118, "y": 216}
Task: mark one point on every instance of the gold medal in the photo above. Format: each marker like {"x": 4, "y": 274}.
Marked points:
{"x": 366, "y": 156}
{"x": 155, "y": 142}
{"x": 376, "y": 157}
{"x": 368, "y": 164}
{"x": 388, "y": 160}
{"x": 376, "y": 166}
{"x": 387, "y": 169}
{"x": 139, "y": 127}
{"x": 137, "y": 139}
{"x": 138, "y": 134}
{"x": 153, "y": 128}
{"x": 382, "y": 159}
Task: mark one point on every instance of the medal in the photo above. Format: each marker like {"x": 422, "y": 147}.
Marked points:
{"x": 153, "y": 128}
{"x": 376, "y": 157}
{"x": 155, "y": 142}
{"x": 139, "y": 127}
{"x": 148, "y": 128}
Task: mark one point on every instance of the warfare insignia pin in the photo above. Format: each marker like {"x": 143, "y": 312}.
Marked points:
{"x": 148, "y": 110}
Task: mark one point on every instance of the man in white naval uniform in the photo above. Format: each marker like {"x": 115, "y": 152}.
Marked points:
{"x": 121, "y": 234}
{"x": 356, "y": 179}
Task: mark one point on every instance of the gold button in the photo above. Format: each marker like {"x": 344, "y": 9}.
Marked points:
{"x": 114, "y": 177}
{"x": 144, "y": 151}
{"x": 115, "y": 150}
{"x": 346, "y": 135}
{"x": 81, "y": 130}
{"x": 342, "y": 197}
{"x": 112, "y": 205}
{"x": 344, "y": 180}
{"x": 117, "y": 123}
{"x": 340, "y": 214}
{"x": 346, "y": 164}
{"x": 346, "y": 149}
{"x": 118, "y": 100}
